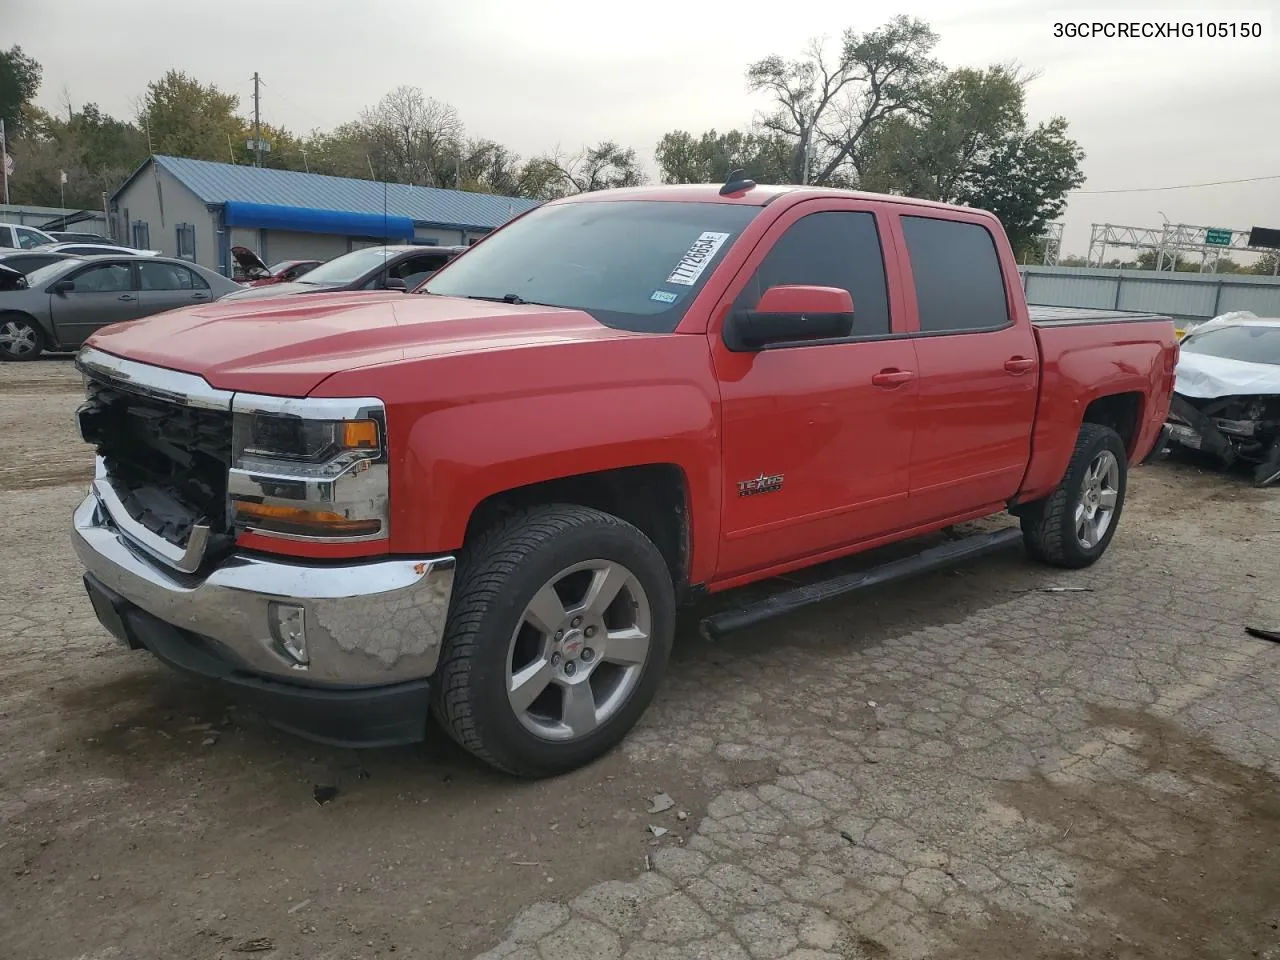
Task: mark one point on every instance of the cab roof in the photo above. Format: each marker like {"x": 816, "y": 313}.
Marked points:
{"x": 758, "y": 195}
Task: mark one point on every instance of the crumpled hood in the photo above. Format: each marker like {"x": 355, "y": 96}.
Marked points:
{"x": 1208, "y": 378}
{"x": 289, "y": 346}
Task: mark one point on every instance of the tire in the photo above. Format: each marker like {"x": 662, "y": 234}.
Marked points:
{"x": 505, "y": 632}
{"x": 20, "y": 338}
{"x": 1051, "y": 528}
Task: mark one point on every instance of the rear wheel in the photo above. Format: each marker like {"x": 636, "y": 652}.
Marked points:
{"x": 1073, "y": 526}
{"x": 558, "y": 636}
{"x": 20, "y": 338}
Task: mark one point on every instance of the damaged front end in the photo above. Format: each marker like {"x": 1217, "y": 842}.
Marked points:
{"x": 1233, "y": 429}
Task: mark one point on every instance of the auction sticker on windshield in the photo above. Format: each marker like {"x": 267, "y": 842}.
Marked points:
{"x": 691, "y": 265}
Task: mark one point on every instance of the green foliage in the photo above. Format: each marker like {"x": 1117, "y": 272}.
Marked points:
{"x": 710, "y": 158}
{"x": 19, "y": 82}
{"x": 1024, "y": 180}
{"x": 185, "y": 118}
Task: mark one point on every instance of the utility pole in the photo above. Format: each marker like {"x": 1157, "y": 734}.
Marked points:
{"x": 4, "y": 161}
{"x": 257, "y": 124}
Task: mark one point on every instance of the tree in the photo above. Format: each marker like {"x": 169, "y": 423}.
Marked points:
{"x": 1266, "y": 265}
{"x": 602, "y": 167}
{"x": 964, "y": 115}
{"x": 185, "y": 118}
{"x": 19, "y": 82}
{"x": 413, "y": 138}
{"x": 710, "y": 158}
{"x": 827, "y": 107}
{"x": 1025, "y": 181}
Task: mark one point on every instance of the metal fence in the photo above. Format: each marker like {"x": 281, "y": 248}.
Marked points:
{"x": 1183, "y": 296}
{"x": 32, "y": 216}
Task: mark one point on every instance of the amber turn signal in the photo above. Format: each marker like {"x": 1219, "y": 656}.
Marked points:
{"x": 302, "y": 522}
{"x": 359, "y": 435}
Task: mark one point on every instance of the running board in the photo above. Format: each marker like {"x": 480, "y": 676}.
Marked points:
{"x": 788, "y": 601}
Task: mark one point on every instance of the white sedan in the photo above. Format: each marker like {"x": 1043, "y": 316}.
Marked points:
{"x": 1226, "y": 397}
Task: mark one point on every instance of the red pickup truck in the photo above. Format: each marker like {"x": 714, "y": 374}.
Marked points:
{"x": 484, "y": 500}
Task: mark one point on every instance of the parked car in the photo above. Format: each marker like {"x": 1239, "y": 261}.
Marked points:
{"x": 66, "y": 301}
{"x": 1226, "y": 399}
{"x": 485, "y": 500}
{"x": 253, "y": 272}
{"x": 97, "y": 250}
{"x": 63, "y": 236}
{"x": 27, "y": 261}
{"x": 22, "y": 237}
{"x": 371, "y": 268}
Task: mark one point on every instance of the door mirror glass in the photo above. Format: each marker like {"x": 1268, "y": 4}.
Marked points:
{"x": 791, "y": 314}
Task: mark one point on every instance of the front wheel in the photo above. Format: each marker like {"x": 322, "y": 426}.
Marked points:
{"x": 1073, "y": 526}
{"x": 558, "y": 636}
{"x": 20, "y": 338}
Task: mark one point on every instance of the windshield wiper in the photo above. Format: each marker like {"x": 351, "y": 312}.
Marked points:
{"x": 505, "y": 298}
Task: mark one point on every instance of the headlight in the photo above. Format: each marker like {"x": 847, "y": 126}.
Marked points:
{"x": 309, "y": 469}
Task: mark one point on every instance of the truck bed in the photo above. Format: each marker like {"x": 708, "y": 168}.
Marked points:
{"x": 1043, "y": 316}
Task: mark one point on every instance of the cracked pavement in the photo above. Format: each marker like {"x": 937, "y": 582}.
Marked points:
{"x": 959, "y": 766}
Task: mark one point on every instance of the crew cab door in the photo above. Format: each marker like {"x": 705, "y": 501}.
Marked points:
{"x": 978, "y": 367}
{"x": 826, "y": 425}
{"x": 104, "y": 292}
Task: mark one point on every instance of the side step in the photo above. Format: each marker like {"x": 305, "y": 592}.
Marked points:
{"x": 788, "y": 601}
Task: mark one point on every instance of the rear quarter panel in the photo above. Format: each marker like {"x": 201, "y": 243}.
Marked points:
{"x": 1081, "y": 363}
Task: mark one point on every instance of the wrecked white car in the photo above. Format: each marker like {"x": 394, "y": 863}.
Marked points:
{"x": 1226, "y": 399}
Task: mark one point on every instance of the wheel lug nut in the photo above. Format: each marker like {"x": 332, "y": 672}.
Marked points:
{"x": 589, "y": 632}
{"x": 555, "y": 659}
{"x": 559, "y": 635}
{"x": 577, "y": 622}
{"x": 570, "y": 669}
{"x": 588, "y": 654}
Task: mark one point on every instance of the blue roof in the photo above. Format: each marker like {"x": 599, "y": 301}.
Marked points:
{"x": 216, "y": 183}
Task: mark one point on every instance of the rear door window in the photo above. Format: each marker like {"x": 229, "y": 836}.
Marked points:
{"x": 958, "y": 281}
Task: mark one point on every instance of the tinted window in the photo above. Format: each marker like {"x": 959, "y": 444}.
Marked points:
{"x": 1250, "y": 344}
{"x": 832, "y": 249}
{"x": 107, "y": 278}
{"x": 6, "y": 237}
{"x": 633, "y": 264}
{"x": 169, "y": 276}
{"x": 27, "y": 239}
{"x": 416, "y": 269}
{"x": 959, "y": 285}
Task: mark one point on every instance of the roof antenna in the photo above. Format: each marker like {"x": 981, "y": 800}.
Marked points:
{"x": 737, "y": 183}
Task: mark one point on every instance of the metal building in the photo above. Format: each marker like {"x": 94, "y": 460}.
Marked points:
{"x": 198, "y": 210}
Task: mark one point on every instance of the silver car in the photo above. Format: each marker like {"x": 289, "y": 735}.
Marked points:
{"x": 68, "y": 300}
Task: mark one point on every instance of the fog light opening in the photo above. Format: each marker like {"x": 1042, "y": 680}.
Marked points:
{"x": 288, "y": 625}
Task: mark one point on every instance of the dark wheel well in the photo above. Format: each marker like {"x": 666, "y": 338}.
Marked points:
{"x": 1121, "y": 412}
{"x": 653, "y": 498}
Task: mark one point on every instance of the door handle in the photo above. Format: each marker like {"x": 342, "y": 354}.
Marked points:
{"x": 127, "y": 296}
{"x": 199, "y": 296}
{"x": 891, "y": 378}
{"x": 1019, "y": 365}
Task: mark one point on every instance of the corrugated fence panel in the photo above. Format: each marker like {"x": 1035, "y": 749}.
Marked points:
{"x": 1184, "y": 296}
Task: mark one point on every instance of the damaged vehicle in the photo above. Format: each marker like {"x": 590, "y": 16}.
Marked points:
{"x": 1226, "y": 398}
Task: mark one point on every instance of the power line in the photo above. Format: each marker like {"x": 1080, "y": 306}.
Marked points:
{"x": 1182, "y": 186}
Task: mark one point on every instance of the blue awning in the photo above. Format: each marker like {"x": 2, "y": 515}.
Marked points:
{"x": 266, "y": 216}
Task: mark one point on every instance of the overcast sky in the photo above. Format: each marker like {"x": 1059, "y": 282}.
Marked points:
{"x": 1149, "y": 113}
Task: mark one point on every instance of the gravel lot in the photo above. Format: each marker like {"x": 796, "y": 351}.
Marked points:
{"x": 961, "y": 766}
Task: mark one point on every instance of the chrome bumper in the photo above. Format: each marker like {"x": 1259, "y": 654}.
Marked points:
{"x": 367, "y": 623}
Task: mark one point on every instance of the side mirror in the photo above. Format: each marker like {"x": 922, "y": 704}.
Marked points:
{"x": 789, "y": 314}
{"x": 394, "y": 283}
{"x": 64, "y": 287}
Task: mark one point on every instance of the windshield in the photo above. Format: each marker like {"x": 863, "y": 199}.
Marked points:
{"x": 49, "y": 272}
{"x": 348, "y": 267}
{"x": 633, "y": 264}
{"x": 1245, "y": 343}
{"x": 282, "y": 265}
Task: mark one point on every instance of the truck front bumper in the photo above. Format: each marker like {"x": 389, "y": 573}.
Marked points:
{"x": 336, "y": 653}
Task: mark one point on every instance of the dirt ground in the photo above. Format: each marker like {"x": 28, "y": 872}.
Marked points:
{"x": 964, "y": 766}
